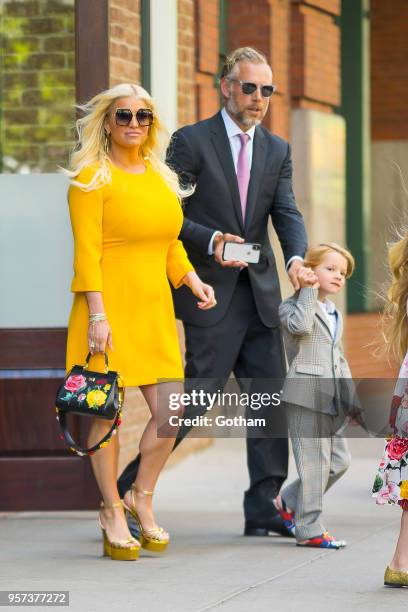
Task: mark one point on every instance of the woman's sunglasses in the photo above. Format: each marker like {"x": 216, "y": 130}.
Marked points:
{"x": 249, "y": 88}
{"x": 124, "y": 116}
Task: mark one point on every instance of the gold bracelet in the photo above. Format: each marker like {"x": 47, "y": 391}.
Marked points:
{"x": 99, "y": 316}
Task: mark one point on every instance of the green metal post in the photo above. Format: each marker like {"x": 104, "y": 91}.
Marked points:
{"x": 356, "y": 110}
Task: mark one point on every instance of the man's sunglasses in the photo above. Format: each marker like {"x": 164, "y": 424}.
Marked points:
{"x": 249, "y": 88}
{"x": 124, "y": 116}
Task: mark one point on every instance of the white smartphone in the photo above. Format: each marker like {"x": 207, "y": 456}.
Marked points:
{"x": 241, "y": 251}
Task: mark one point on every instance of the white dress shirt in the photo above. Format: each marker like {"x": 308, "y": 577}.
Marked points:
{"x": 330, "y": 314}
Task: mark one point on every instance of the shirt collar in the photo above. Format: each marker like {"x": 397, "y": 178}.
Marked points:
{"x": 232, "y": 128}
{"x": 328, "y": 306}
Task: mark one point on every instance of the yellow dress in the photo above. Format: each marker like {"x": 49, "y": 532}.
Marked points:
{"x": 125, "y": 245}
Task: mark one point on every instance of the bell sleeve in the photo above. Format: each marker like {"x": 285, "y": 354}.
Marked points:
{"x": 86, "y": 212}
{"x": 178, "y": 263}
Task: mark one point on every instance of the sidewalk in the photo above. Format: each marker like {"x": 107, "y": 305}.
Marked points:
{"x": 209, "y": 564}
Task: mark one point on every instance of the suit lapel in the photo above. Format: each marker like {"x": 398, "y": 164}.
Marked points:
{"x": 339, "y": 326}
{"x": 257, "y": 170}
{"x": 323, "y": 320}
{"x": 222, "y": 147}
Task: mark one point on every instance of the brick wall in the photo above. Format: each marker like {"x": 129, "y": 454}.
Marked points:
{"x": 315, "y": 55}
{"x": 37, "y": 80}
{"x": 187, "y": 111}
{"x": 264, "y": 24}
{"x": 207, "y": 49}
{"x": 302, "y": 42}
{"x": 389, "y": 69}
{"x": 249, "y": 24}
{"x": 124, "y": 41}
{"x": 280, "y": 61}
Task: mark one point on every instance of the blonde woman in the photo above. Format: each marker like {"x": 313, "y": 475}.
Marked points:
{"x": 125, "y": 212}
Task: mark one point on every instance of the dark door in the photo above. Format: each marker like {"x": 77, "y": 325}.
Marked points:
{"x": 37, "y": 472}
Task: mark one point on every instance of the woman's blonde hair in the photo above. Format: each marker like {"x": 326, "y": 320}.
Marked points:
{"x": 90, "y": 149}
{"x": 394, "y": 319}
{"x": 315, "y": 255}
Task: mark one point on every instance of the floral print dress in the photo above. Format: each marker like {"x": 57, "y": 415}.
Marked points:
{"x": 391, "y": 481}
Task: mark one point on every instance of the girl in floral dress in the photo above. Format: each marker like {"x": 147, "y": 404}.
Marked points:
{"x": 391, "y": 481}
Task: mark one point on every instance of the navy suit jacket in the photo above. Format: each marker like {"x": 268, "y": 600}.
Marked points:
{"x": 201, "y": 155}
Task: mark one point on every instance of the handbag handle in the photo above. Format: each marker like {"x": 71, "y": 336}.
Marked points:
{"x": 62, "y": 418}
{"x": 88, "y": 357}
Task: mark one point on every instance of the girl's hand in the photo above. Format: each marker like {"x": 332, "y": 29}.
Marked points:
{"x": 99, "y": 336}
{"x": 201, "y": 290}
{"x": 307, "y": 278}
{"x": 356, "y": 417}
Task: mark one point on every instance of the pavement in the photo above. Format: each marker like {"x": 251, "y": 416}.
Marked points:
{"x": 209, "y": 564}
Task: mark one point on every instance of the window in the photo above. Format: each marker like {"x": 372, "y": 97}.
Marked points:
{"x": 37, "y": 84}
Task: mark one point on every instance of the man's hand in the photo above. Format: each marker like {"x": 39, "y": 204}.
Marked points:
{"x": 219, "y": 241}
{"x": 294, "y": 267}
{"x": 300, "y": 276}
{"x": 307, "y": 278}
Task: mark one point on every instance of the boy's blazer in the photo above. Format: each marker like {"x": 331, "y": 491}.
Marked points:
{"x": 318, "y": 370}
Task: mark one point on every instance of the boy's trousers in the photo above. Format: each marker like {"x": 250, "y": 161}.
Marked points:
{"x": 321, "y": 458}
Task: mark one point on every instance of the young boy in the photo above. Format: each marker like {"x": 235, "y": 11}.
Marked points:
{"x": 315, "y": 391}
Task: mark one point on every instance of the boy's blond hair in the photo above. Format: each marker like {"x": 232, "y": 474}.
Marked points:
{"x": 315, "y": 255}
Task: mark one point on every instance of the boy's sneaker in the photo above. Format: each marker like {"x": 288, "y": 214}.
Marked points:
{"x": 287, "y": 516}
{"x": 323, "y": 541}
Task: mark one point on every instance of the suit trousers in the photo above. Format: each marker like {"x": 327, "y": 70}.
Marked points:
{"x": 242, "y": 344}
{"x": 321, "y": 457}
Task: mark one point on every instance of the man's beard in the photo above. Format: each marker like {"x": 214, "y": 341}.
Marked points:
{"x": 248, "y": 122}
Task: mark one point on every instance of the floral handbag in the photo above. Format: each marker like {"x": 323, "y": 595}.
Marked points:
{"x": 91, "y": 394}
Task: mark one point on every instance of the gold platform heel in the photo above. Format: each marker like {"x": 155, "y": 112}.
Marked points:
{"x": 151, "y": 539}
{"x": 122, "y": 550}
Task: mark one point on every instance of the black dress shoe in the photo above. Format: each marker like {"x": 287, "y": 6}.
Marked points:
{"x": 274, "y": 525}
{"x": 133, "y": 526}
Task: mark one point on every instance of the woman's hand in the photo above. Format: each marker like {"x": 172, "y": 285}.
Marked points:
{"x": 99, "y": 336}
{"x": 99, "y": 331}
{"x": 201, "y": 290}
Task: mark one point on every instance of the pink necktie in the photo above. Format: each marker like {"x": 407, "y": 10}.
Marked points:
{"x": 243, "y": 173}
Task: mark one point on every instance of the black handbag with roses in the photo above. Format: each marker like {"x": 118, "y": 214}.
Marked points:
{"x": 88, "y": 393}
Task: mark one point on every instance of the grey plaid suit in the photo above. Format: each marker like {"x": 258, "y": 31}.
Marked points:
{"x": 317, "y": 391}
{"x": 319, "y": 377}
